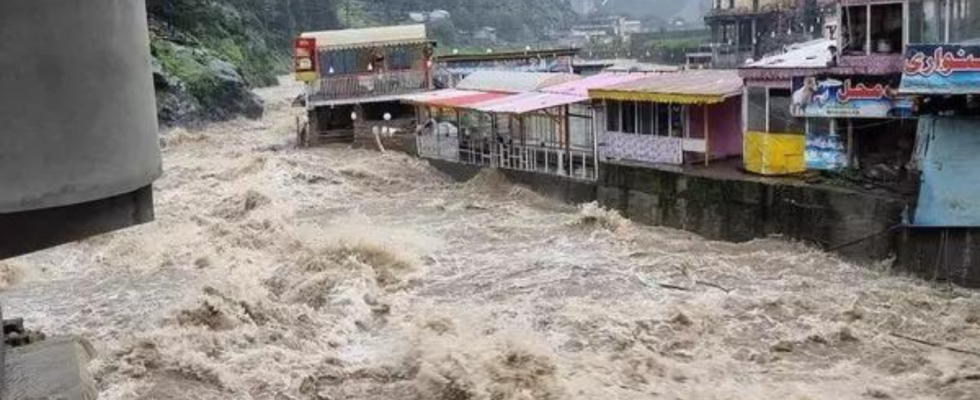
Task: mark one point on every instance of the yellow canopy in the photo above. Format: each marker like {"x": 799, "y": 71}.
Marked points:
{"x": 684, "y": 87}
{"x": 603, "y": 94}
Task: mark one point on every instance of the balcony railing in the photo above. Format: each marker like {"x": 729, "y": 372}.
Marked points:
{"x": 389, "y": 83}
{"x": 749, "y": 8}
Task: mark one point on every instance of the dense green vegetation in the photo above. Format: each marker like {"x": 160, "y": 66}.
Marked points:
{"x": 251, "y": 34}
{"x": 209, "y": 52}
{"x": 642, "y": 9}
{"x": 516, "y": 21}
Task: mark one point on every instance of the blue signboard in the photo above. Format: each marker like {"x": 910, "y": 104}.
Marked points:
{"x": 849, "y": 97}
{"x": 941, "y": 69}
{"x": 825, "y": 151}
{"x": 947, "y": 149}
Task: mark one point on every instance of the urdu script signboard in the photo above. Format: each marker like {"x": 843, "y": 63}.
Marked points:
{"x": 941, "y": 69}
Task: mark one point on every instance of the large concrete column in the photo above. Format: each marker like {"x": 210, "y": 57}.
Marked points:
{"x": 78, "y": 132}
{"x": 77, "y": 112}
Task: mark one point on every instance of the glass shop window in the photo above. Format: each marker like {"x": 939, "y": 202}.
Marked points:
{"x": 612, "y": 116}
{"x": 780, "y": 120}
{"x": 647, "y": 122}
{"x": 757, "y": 112}
{"x": 886, "y": 28}
{"x": 629, "y": 117}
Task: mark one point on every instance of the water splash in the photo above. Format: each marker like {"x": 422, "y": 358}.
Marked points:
{"x": 275, "y": 273}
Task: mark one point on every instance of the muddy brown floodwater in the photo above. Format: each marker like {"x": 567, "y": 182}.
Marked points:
{"x": 333, "y": 273}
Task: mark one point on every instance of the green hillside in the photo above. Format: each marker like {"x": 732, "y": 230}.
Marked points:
{"x": 209, "y": 53}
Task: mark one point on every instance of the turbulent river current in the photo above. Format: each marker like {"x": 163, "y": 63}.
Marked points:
{"x": 335, "y": 273}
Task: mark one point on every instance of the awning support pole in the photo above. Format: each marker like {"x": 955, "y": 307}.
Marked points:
{"x": 707, "y": 138}
{"x": 851, "y": 162}
{"x": 568, "y": 145}
{"x": 595, "y": 141}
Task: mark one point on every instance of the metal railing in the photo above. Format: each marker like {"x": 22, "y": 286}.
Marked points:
{"x": 354, "y": 86}
{"x": 577, "y": 163}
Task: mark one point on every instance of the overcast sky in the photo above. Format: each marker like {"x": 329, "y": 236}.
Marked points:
{"x": 661, "y": 8}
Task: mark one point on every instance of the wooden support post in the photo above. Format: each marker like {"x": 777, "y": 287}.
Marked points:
{"x": 851, "y": 162}
{"x": 459, "y": 134}
{"x": 494, "y": 145}
{"x": 568, "y": 142}
{"x": 595, "y": 142}
{"x": 523, "y": 153}
{"x": 707, "y": 138}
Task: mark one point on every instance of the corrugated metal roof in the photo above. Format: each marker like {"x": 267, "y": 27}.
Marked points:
{"x": 639, "y": 66}
{"x": 527, "y": 102}
{"x": 451, "y": 97}
{"x": 581, "y": 87}
{"x": 692, "y": 86}
{"x": 570, "y": 92}
{"x": 434, "y": 95}
{"x": 812, "y": 54}
{"x": 354, "y": 38}
{"x": 508, "y": 55}
{"x": 513, "y": 82}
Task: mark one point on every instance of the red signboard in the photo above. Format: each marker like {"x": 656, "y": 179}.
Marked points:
{"x": 304, "y": 59}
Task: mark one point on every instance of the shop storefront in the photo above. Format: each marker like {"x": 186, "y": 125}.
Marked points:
{"x": 774, "y": 138}
{"x": 945, "y": 77}
{"x": 678, "y": 118}
{"x": 838, "y": 112}
{"x": 774, "y": 141}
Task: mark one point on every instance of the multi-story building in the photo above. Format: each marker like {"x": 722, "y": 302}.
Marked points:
{"x": 941, "y": 67}
{"x": 748, "y": 29}
{"x": 606, "y": 29}
{"x": 833, "y": 103}
{"x": 360, "y": 73}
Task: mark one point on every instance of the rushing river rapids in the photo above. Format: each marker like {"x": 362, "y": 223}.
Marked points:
{"x": 331, "y": 273}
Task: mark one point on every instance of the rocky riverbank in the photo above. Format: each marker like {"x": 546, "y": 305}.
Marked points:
{"x": 209, "y": 55}
{"x": 194, "y": 85}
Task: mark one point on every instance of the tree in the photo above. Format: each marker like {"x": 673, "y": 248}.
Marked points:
{"x": 510, "y": 27}
{"x": 443, "y": 31}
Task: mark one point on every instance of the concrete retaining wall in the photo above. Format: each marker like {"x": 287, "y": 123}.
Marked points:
{"x": 859, "y": 226}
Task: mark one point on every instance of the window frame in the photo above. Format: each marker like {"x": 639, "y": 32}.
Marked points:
{"x": 655, "y": 122}
{"x": 769, "y": 114}
{"x": 619, "y": 115}
{"x": 949, "y": 16}
{"x": 633, "y": 122}
{"x": 767, "y": 126}
{"x": 868, "y": 50}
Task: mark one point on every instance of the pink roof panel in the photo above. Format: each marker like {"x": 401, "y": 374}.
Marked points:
{"x": 451, "y": 97}
{"x": 527, "y": 102}
{"x": 581, "y": 87}
{"x": 555, "y": 96}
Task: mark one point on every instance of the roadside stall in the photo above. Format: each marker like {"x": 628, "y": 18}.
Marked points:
{"x": 677, "y": 118}
{"x": 550, "y": 130}
{"x": 451, "y": 128}
{"x": 775, "y": 140}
